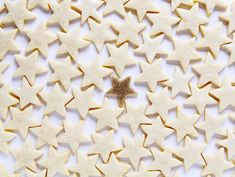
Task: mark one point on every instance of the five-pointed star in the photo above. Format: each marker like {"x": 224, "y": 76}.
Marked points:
{"x": 82, "y": 101}
{"x": 26, "y": 156}
{"x": 141, "y": 7}
{"x": 212, "y": 4}
{"x": 156, "y": 133}
{"x": 103, "y": 145}
{"x": 208, "y": 71}
{"x": 229, "y": 144}
{"x": 134, "y": 150}
{"x": 5, "y": 137}
{"x": 211, "y": 125}
{"x": 191, "y": 153}
{"x": 134, "y": 116}
{"x": 73, "y": 135}
{"x": 54, "y": 163}
{"x": 27, "y": 94}
{"x": 229, "y": 18}
{"x": 230, "y": 49}
{"x": 41, "y": 173}
{"x": 115, "y": 6}
{"x": 162, "y": 22}
{"x": 94, "y": 73}
{"x": 55, "y": 101}
{"x": 121, "y": 89}
{"x": 63, "y": 72}
{"x": 160, "y": 104}
{"x": 119, "y": 58}
{"x": 106, "y": 116}
{"x": 46, "y": 134}
{"x": 184, "y": 124}
{"x": 224, "y": 94}
{"x": 99, "y": 34}
{"x": 7, "y": 42}
{"x": 62, "y": 14}
{"x": 7, "y": 100}
{"x": 151, "y": 47}
{"x": 216, "y": 164}
{"x": 86, "y": 165}
{"x": 187, "y": 23}
{"x": 17, "y": 13}
{"x": 179, "y": 84}
{"x": 213, "y": 39}
{"x": 21, "y": 121}
{"x": 40, "y": 38}
{"x": 29, "y": 67}
{"x": 199, "y": 98}
{"x": 69, "y": 44}
{"x": 143, "y": 172}
{"x": 114, "y": 167}
{"x": 184, "y": 52}
{"x": 88, "y": 9}
{"x": 3, "y": 67}
{"x": 163, "y": 161}
{"x": 151, "y": 74}
{"x": 38, "y": 3}
{"x": 129, "y": 30}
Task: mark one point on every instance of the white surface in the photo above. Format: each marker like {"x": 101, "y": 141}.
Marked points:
{"x": 86, "y": 56}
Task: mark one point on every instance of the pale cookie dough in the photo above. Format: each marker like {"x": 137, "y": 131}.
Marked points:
{"x": 114, "y": 6}
{"x": 44, "y": 4}
{"x": 229, "y": 18}
{"x": 212, "y": 4}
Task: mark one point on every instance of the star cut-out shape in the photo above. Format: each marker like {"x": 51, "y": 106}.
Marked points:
{"x": 212, "y": 4}
{"x": 114, "y": 167}
{"x": 151, "y": 47}
{"x": 41, "y": 173}
{"x": 163, "y": 161}
{"x": 208, "y": 71}
{"x": 119, "y": 58}
{"x": 134, "y": 150}
{"x": 211, "y": 125}
{"x": 106, "y": 116}
{"x": 120, "y": 89}
{"x": 5, "y": 138}
{"x": 63, "y": 72}
{"x": 73, "y": 135}
{"x": 216, "y": 164}
{"x": 55, "y": 162}
{"x": 99, "y": 34}
{"x": 162, "y": 22}
{"x": 129, "y": 30}
{"x": 115, "y": 6}
{"x": 176, "y": 3}
{"x": 86, "y": 165}
{"x": 82, "y": 101}
{"x": 187, "y": 23}
{"x": 199, "y": 98}
{"x": 55, "y": 101}
{"x": 229, "y": 18}
{"x": 62, "y": 14}
{"x": 21, "y": 121}
{"x": 141, "y": 7}
{"x": 191, "y": 153}
{"x": 230, "y": 49}
{"x": 17, "y": 13}
{"x": 94, "y": 73}
{"x": 179, "y": 84}
{"x": 160, "y": 104}
{"x": 27, "y": 94}
{"x": 213, "y": 38}
{"x": 224, "y": 95}
{"x": 26, "y": 156}
{"x": 70, "y": 45}
{"x": 29, "y": 67}
{"x": 46, "y": 133}
{"x": 184, "y": 124}
{"x": 44, "y": 4}
{"x": 151, "y": 74}
{"x": 39, "y": 38}
{"x": 156, "y": 133}
{"x": 103, "y": 145}
{"x": 3, "y": 67}
{"x": 134, "y": 116}
{"x": 8, "y": 43}
{"x": 184, "y": 52}
{"x": 88, "y": 9}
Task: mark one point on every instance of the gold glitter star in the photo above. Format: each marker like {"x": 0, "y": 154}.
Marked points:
{"x": 121, "y": 89}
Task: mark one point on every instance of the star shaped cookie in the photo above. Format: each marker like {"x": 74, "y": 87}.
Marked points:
{"x": 114, "y": 6}
{"x": 44, "y": 4}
